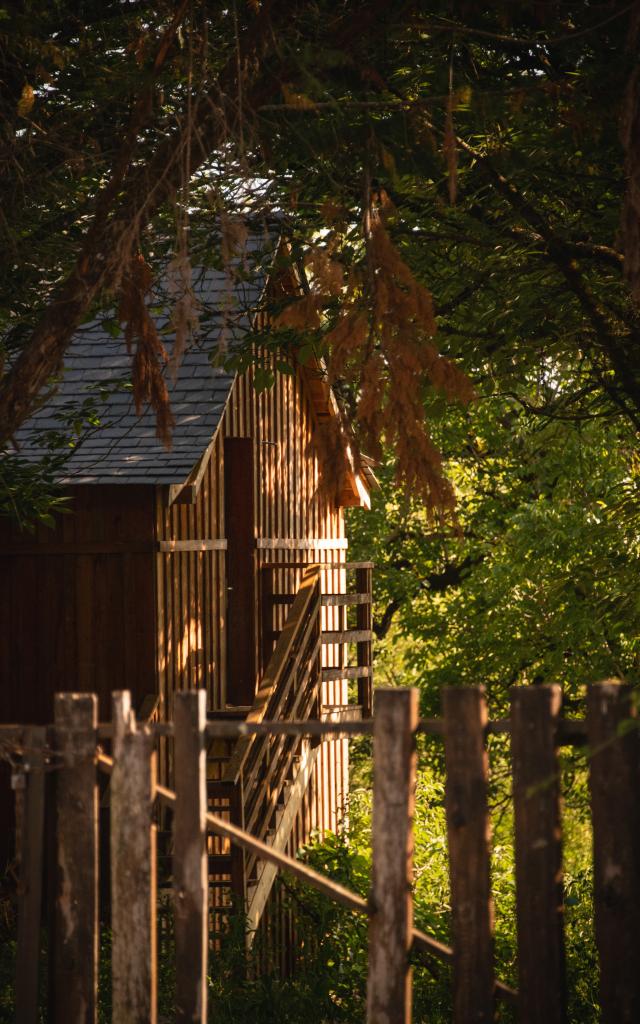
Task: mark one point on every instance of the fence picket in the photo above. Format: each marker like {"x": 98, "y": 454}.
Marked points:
{"x": 75, "y": 952}
{"x": 391, "y": 922}
{"x": 465, "y": 717}
{"x": 539, "y": 897}
{"x": 614, "y": 748}
{"x": 30, "y": 882}
{"x": 190, "y": 880}
{"x": 133, "y": 869}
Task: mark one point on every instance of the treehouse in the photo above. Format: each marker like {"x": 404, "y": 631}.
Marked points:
{"x": 220, "y": 563}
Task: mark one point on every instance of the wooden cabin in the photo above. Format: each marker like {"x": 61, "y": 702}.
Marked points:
{"x": 183, "y": 568}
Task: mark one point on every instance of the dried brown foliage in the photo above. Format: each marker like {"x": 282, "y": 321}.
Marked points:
{"x": 329, "y": 445}
{"x": 150, "y": 355}
{"x": 383, "y": 345}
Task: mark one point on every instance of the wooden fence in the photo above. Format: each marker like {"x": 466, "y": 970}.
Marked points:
{"x": 72, "y": 749}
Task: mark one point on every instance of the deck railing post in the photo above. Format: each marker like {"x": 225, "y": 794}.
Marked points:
{"x": 466, "y": 799}
{"x": 190, "y": 876}
{"x": 614, "y": 765}
{"x": 535, "y": 712}
{"x": 30, "y": 879}
{"x": 75, "y": 952}
{"x": 391, "y": 922}
{"x": 133, "y": 868}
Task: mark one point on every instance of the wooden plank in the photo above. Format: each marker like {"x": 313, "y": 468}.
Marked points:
{"x": 391, "y": 923}
{"x": 133, "y": 869}
{"x": 301, "y": 543}
{"x": 215, "y": 544}
{"x": 539, "y": 897}
{"x": 325, "y": 566}
{"x": 348, "y": 672}
{"x": 190, "y": 857}
{"x": 346, "y": 636}
{"x": 241, "y": 581}
{"x": 329, "y": 600}
{"x": 614, "y": 748}
{"x": 465, "y": 716}
{"x": 30, "y": 878}
{"x": 75, "y": 947}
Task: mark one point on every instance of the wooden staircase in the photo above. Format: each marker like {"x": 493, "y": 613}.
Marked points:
{"x": 260, "y": 782}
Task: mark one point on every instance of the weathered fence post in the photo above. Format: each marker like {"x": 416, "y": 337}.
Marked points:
{"x": 614, "y": 776}
{"x": 391, "y": 922}
{"x": 75, "y": 953}
{"x": 190, "y": 856}
{"x": 133, "y": 869}
{"x": 539, "y": 892}
{"x": 465, "y": 718}
{"x": 30, "y": 883}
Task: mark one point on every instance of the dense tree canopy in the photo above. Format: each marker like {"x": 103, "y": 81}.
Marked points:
{"x": 456, "y": 188}
{"x": 483, "y": 144}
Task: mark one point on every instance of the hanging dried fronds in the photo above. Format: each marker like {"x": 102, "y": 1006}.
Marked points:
{"x": 185, "y": 312}
{"x": 329, "y": 445}
{"x": 233, "y": 236}
{"x": 382, "y": 346}
{"x": 150, "y": 356}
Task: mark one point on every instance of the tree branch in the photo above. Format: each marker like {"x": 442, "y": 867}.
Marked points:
{"x": 436, "y": 583}
{"x": 116, "y": 225}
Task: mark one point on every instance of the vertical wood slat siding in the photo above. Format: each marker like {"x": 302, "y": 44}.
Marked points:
{"x": 89, "y": 610}
{"x": 288, "y": 504}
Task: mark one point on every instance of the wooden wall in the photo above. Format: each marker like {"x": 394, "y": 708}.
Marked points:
{"x": 193, "y": 632}
{"x": 76, "y": 604}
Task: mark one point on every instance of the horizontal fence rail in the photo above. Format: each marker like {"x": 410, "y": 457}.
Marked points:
{"x": 71, "y": 751}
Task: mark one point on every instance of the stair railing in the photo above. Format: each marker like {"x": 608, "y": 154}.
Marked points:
{"x": 263, "y": 768}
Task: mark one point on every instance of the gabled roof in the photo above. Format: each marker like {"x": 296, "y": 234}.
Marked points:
{"x": 123, "y": 447}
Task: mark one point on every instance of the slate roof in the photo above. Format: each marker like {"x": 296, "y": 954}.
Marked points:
{"x": 124, "y": 447}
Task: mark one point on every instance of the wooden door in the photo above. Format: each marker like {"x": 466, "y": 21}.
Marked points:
{"x": 239, "y": 508}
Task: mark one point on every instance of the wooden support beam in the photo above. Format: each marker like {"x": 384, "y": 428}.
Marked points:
{"x": 75, "y": 945}
{"x": 347, "y": 636}
{"x": 465, "y": 717}
{"x": 391, "y": 923}
{"x": 30, "y": 877}
{"x": 539, "y": 895}
{"x": 190, "y": 856}
{"x": 614, "y": 767}
{"x": 133, "y": 868}
{"x": 340, "y": 600}
{"x": 347, "y": 672}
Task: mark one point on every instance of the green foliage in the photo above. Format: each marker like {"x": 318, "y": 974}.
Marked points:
{"x": 538, "y": 582}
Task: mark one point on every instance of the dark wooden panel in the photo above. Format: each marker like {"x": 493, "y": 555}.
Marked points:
{"x": 539, "y": 895}
{"x": 466, "y": 799}
{"x": 241, "y": 582}
{"x": 614, "y": 746}
{"x": 75, "y": 945}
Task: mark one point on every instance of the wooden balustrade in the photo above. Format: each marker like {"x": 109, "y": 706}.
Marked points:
{"x": 536, "y": 727}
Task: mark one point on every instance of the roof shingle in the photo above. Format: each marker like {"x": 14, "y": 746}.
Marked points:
{"x": 124, "y": 447}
